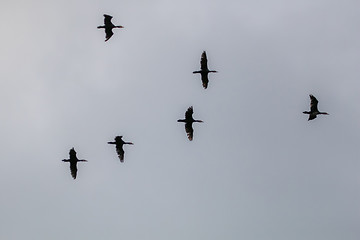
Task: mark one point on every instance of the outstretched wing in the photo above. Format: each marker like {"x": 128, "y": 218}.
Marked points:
{"x": 107, "y": 20}
{"x": 109, "y": 33}
{"x": 189, "y": 112}
{"x": 203, "y": 61}
{"x": 120, "y": 152}
{"x": 311, "y": 116}
{"x": 189, "y": 131}
{"x": 313, "y": 104}
{"x": 205, "y": 80}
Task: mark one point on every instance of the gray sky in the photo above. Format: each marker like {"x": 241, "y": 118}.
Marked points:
{"x": 256, "y": 170}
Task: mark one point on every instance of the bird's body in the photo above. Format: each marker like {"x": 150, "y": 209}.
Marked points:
{"x": 189, "y": 120}
{"x": 108, "y": 25}
{"x": 119, "y": 147}
{"x": 204, "y": 71}
{"x": 73, "y": 162}
{"x": 314, "y": 109}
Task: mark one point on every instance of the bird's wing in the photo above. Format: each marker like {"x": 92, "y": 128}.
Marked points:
{"x": 203, "y": 61}
{"x": 205, "y": 80}
{"x": 107, "y": 19}
{"x": 109, "y": 33}
{"x": 73, "y": 170}
{"x": 189, "y": 131}
{"x": 120, "y": 152}
{"x": 311, "y": 116}
{"x": 189, "y": 112}
{"x": 313, "y": 104}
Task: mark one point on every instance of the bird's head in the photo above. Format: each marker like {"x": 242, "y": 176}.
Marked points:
{"x": 118, "y": 138}
{"x": 72, "y": 152}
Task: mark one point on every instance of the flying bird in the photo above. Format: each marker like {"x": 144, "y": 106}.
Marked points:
{"x": 119, "y": 147}
{"x": 204, "y": 70}
{"x": 108, "y": 25}
{"x": 73, "y": 161}
{"x": 314, "y": 109}
{"x": 188, "y": 122}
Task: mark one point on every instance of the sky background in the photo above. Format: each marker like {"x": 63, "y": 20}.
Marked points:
{"x": 256, "y": 169}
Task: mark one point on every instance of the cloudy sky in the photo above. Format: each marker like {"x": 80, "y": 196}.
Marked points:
{"x": 256, "y": 169}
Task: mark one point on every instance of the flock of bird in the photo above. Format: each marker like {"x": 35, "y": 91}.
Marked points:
{"x": 189, "y": 120}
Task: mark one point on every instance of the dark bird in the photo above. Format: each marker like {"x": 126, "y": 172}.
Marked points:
{"x": 188, "y": 122}
{"x": 204, "y": 70}
{"x": 119, "y": 146}
{"x": 313, "y": 108}
{"x": 73, "y": 161}
{"x": 108, "y": 25}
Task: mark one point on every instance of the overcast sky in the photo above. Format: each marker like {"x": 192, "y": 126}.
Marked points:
{"x": 256, "y": 169}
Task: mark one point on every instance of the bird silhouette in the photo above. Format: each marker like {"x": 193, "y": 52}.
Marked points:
{"x": 204, "y": 70}
{"x": 314, "y": 109}
{"x": 119, "y": 146}
{"x": 189, "y": 120}
{"x": 73, "y": 162}
{"x": 108, "y": 25}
